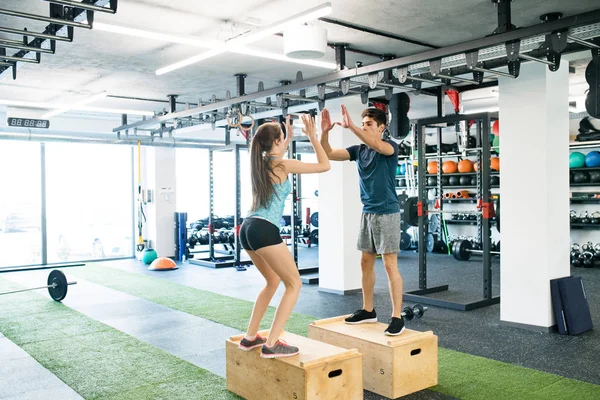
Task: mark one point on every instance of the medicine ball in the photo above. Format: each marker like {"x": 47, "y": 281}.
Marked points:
{"x": 496, "y": 127}
{"x": 473, "y": 181}
{"x": 592, "y": 159}
{"x": 571, "y": 177}
{"x": 402, "y": 182}
{"x": 465, "y": 166}
{"x": 397, "y": 170}
{"x": 496, "y": 144}
{"x": 476, "y": 166}
{"x": 432, "y": 167}
{"x": 445, "y": 180}
{"x": 465, "y": 180}
{"x": 495, "y": 180}
{"x": 580, "y": 177}
{"x": 432, "y": 181}
{"x": 454, "y": 181}
{"x": 594, "y": 176}
{"x": 449, "y": 167}
{"x": 402, "y": 169}
{"x": 576, "y": 160}
{"x": 495, "y": 163}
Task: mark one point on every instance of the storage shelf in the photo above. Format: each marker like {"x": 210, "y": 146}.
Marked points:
{"x": 461, "y": 173}
{"x": 584, "y": 201}
{"x": 460, "y": 187}
{"x": 584, "y": 184}
{"x": 585, "y": 169}
{"x": 589, "y": 227}
{"x": 464, "y": 222}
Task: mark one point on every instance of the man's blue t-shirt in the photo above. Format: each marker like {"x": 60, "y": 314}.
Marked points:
{"x": 377, "y": 178}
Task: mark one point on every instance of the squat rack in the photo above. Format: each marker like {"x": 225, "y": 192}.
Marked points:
{"x": 234, "y": 260}
{"x": 482, "y": 123}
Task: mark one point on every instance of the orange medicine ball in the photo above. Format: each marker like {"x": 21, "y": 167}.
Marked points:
{"x": 495, "y": 163}
{"x": 449, "y": 167}
{"x": 432, "y": 167}
{"x": 465, "y": 166}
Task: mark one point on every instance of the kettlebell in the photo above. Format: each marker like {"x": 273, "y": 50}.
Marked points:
{"x": 585, "y": 219}
{"x": 573, "y": 216}
{"x": 588, "y": 261}
{"x": 595, "y": 218}
{"x": 575, "y": 247}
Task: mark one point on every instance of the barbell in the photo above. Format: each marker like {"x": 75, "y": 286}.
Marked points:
{"x": 57, "y": 286}
{"x": 463, "y": 249}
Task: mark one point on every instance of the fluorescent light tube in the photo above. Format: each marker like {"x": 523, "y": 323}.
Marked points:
{"x": 89, "y": 100}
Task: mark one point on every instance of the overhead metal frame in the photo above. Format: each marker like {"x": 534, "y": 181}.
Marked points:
{"x": 500, "y": 46}
{"x": 64, "y": 16}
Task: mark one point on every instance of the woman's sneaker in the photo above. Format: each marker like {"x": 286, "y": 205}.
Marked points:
{"x": 248, "y": 345}
{"x": 281, "y": 349}
{"x": 362, "y": 317}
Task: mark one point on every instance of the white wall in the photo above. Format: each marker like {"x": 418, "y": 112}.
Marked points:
{"x": 340, "y": 209}
{"x": 535, "y": 187}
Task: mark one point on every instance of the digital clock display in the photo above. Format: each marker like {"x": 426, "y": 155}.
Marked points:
{"x": 29, "y": 123}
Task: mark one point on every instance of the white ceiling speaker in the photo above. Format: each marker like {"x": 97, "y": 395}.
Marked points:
{"x": 305, "y": 42}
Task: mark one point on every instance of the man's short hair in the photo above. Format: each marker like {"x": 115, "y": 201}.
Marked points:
{"x": 376, "y": 114}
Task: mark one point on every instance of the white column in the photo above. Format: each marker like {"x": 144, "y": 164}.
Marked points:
{"x": 340, "y": 209}
{"x": 534, "y": 132}
{"x": 160, "y": 174}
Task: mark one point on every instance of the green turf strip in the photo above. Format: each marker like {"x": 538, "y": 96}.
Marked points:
{"x": 460, "y": 375}
{"x": 97, "y": 361}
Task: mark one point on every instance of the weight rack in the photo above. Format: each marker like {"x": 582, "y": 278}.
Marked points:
{"x": 308, "y": 275}
{"x": 234, "y": 260}
{"x": 482, "y": 122}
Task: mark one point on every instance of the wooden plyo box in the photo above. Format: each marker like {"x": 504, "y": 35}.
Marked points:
{"x": 393, "y": 366}
{"x": 320, "y": 371}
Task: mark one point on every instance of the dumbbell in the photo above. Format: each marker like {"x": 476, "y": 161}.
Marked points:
{"x": 416, "y": 311}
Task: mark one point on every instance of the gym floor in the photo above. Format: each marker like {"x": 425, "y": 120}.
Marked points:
{"x": 201, "y": 341}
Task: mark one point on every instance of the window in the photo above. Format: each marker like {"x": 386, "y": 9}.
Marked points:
{"x": 88, "y": 201}
{"x": 20, "y": 204}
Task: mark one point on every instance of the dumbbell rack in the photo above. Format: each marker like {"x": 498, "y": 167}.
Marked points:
{"x": 223, "y": 261}
{"x": 482, "y": 124}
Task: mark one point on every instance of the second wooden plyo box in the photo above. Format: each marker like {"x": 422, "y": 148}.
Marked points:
{"x": 393, "y": 366}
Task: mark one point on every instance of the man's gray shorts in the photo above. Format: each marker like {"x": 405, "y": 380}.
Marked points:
{"x": 379, "y": 233}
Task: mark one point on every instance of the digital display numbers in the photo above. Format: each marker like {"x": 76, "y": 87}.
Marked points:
{"x": 29, "y": 123}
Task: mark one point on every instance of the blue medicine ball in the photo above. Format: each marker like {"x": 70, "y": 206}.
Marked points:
{"x": 592, "y": 159}
{"x": 403, "y": 169}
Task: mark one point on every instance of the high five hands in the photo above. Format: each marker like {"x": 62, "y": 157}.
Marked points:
{"x": 327, "y": 125}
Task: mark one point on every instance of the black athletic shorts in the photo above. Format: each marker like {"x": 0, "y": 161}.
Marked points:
{"x": 256, "y": 233}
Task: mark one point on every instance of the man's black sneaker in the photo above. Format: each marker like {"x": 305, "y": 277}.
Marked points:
{"x": 362, "y": 317}
{"x": 395, "y": 327}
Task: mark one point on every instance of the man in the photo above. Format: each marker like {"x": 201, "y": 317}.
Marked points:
{"x": 376, "y": 159}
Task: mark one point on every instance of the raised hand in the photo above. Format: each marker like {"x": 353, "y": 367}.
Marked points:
{"x": 310, "y": 126}
{"x": 326, "y": 124}
{"x": 289, "y": 130}
{"x": 346, "y": 120}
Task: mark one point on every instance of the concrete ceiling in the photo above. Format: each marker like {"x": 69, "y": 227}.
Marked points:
{"x": 125, "y": 65}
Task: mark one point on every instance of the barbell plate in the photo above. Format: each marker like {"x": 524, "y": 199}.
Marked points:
{"x": 430, "y": 243}
{"x": 464, "y": 249}
{"x": 410, "y": 211}
{"x": 314, "y": 219}
{"x": 57, "y": 285}
{"x": 405, "y": 240}
{"x": 434, "y": 223}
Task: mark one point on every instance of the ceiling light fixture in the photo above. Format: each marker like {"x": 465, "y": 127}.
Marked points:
{"x": 61, "y": 110}
{"x": 253, "y": 36}
{"x": 208, "y": 44}
{"x": 40, "y": 105}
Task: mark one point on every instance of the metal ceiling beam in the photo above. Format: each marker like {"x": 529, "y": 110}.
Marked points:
{"x": 57, "y": 21}
{"x": 20, "y": 59}
{"x": 3, "y": 43}
{"x": 87, "y": 6}
{"x": 35, "y": 34}
{"x": 376, "y": 32}
{"x": 460, "y": 48}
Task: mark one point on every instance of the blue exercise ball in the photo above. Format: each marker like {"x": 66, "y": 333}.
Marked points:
{"x": 403, "y": 169}
{"x": 592, "y": 159}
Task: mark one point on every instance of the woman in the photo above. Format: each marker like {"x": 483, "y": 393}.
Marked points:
{"x": 259, "y": 233}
